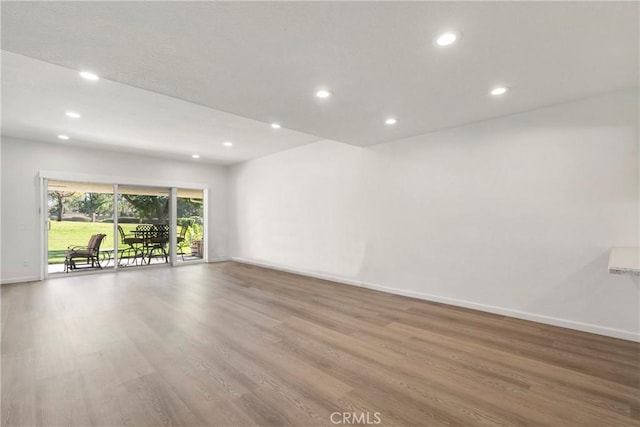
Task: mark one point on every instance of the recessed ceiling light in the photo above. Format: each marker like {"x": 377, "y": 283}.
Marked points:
{"x": 323, "y": 93}
{"x": 500, "y": 90}
{"x": 88, "y": 75}
{"x": 446, "y": 39}
{"x": 391, "y": 121}
{"x": 275, "y": 125}
{"x": 195, "y": 156}
{"x": 72, "y": 114}
{"x": 65, "y": 137}
{"x": 227, "y": 144}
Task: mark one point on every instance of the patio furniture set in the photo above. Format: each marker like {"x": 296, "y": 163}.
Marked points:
{"x": 146, "y": 242}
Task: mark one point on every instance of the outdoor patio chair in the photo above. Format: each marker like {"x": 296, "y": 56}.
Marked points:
{"x": 158, "y": 241}
{"x": 90, "y": 253}
{"x": 181, "y": 241}
{"x": 135, "y": 244}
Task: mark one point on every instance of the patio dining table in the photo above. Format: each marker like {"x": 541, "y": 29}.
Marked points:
{"x": 154, "y": 238}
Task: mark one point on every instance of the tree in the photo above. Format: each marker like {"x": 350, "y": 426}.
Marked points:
{"x": 59, "y": 198}
{"x": 95, "y": 204}
{"x": 125, "y": 208}
{"x": 149, "y": 207}
{"x": 189, "y": 207}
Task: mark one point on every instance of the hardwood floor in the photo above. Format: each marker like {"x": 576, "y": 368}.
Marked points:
{"x": 234, "y": 345}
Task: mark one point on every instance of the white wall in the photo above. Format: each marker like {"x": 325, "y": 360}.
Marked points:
{"x": 23, "y": 160}
{"x": 514, "y": 215}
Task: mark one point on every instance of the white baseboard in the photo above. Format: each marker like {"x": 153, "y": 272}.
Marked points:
{"x": 564, "y": 323}
{"x": 219, "y": 259}
{"x": 20, "y": 280}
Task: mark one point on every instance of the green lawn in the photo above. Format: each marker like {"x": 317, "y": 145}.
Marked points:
{"x": 67, "y": 233}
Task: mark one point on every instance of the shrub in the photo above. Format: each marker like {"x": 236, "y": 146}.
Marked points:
{"x": 189, "y": 221}
{"x": 77, "y": 219}
{"x": 123, "y": 220}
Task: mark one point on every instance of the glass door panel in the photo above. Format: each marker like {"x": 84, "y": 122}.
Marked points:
{"x": 189, "y": 225}
{"x": 79, "y": 226}
{"x": 143, "y": 226}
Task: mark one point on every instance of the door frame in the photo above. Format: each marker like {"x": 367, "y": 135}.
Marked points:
{"x": 116, "y": 181}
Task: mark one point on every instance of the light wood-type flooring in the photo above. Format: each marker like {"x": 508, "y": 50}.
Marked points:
{"x": 235, "y": 345}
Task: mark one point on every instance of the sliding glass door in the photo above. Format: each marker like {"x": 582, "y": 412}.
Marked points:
{"x": 98, "y": 226}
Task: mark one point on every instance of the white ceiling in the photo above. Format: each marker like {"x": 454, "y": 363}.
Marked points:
{"x": 36, "y": 95}
{"x": 264, "y": 60}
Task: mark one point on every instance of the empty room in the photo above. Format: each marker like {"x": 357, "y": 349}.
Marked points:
{"x": 320, "y": 213}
